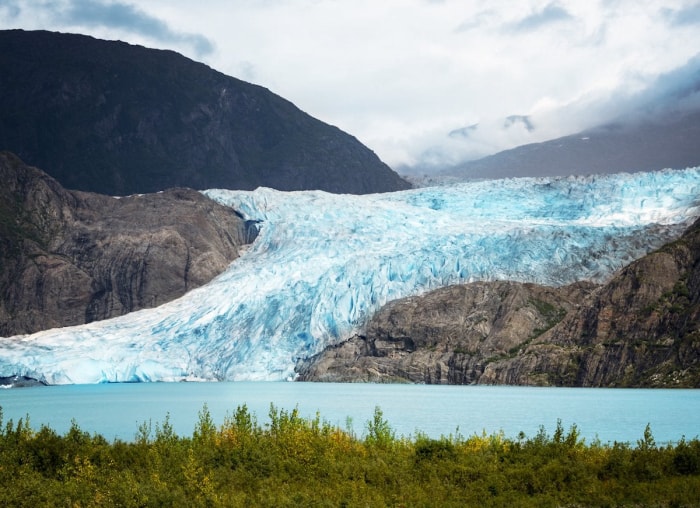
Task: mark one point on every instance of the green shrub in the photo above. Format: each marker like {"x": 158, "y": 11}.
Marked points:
{"x": 379, "y": 432}
{"x": 293, "y": 461}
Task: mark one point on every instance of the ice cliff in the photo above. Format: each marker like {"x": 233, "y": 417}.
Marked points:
{"x": 323, "y": 264}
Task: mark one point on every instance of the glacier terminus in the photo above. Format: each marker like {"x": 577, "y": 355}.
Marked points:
{"x": 322, "y": 264}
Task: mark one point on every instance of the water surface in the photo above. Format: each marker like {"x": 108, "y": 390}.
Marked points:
{"x": 116, "y": 410}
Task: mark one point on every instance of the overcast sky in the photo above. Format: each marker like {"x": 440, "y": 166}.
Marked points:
{"x": 420, "y": 81}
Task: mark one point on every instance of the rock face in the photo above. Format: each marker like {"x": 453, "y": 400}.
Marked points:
{"x": 448, "y": 336}
{"x": 109, "y": 117}
{"x": 69, "y": 258}
{"x": 640, "y": 329}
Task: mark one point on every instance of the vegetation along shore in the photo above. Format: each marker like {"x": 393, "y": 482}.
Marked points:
{"x": 295, "y": 461}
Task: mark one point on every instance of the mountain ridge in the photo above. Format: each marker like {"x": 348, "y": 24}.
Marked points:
{"x": 119, "y": 119}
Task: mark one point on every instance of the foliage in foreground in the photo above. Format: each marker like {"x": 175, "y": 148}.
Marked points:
{"x": 293, "y": 461}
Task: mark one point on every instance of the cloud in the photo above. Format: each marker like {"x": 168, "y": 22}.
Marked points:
{"x": 674, "y": 92}
{"x": 10, "y": 8}
{"x": 682, "y": 17}
{"x": 551, "y": 13}
{"x": 668, "y": 94}
{"x": 467, "y": 143}
{"x": 127, "y": 18}
{"x": 476, "y": 21}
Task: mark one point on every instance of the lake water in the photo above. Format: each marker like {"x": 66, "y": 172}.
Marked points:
{"x": 116, "y": 410}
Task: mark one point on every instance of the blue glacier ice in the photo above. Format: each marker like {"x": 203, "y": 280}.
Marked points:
{"x": 323, "y": 264}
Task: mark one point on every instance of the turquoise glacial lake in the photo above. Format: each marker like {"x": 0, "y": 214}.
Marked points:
{"x": 117, "y": 410}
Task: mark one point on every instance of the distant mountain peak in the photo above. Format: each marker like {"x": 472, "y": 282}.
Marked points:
{"x": 669, "y": 141}
{"x": 523, "y": 120}
{"x": 463, "y": 132}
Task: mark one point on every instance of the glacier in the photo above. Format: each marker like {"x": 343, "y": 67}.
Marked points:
{"x": 322, "y": 264}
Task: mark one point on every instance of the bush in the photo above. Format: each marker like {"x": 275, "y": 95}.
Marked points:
{"x": 294, "y": 461}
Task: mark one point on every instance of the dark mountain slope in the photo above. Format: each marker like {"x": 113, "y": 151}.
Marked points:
{"x": 118, "y": 119}
{"x": 642, "y": 328}
{"x": 671, "y": 142}
{"x": 70, "y": 257}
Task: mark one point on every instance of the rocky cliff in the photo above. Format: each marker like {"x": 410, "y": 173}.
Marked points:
{"x": 70, "y": 257}
{"x": 113, "y": 118}
{"x": 642, "y": 328}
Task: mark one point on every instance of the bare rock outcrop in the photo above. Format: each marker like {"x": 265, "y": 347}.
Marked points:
{"x": 71, "y": 257}
{"x": 447, "y": 336}
{"x": 642, "y": 328}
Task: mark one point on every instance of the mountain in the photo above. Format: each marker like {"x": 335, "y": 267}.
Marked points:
{"x": 70, "y": 257}
{"x": 638, "y": 329}
{"x": 669, "y": 141}
{"x": 119, "y": 119}
{"x": 323, "y": 264}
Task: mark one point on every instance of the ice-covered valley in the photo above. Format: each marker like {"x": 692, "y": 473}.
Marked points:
{"x": 323, "y": 263}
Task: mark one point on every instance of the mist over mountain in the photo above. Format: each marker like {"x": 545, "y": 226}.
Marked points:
{"x": 654, "y": 128}
{"x": 671, "y": 142}
{"x": 119, "y": 119}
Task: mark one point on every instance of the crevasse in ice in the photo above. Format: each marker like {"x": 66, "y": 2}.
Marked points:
{"x": 323, "y": 264}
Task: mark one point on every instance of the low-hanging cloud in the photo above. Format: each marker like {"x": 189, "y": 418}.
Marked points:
{"x": 674, "y": 92}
